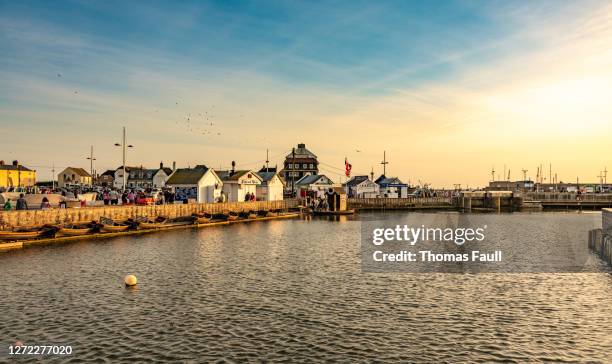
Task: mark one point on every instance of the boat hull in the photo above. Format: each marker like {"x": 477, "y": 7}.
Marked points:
{"x": 19, "y": 235}
{"x": 114, "y": 228}
{"x": 333, "y": 213}
{"x": 74, "y": 232}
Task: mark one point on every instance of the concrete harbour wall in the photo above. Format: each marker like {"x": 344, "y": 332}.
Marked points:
{"x": 606, "y": 223}
{"x": 13, "y": 219}
{"x": 600, "y": 240}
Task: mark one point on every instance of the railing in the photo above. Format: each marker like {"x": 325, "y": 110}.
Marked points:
{"x": 398, "y": 203}
{"x": 574, "y": 197}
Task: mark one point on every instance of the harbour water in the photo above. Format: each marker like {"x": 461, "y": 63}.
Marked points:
{"x": 294, "y": 289}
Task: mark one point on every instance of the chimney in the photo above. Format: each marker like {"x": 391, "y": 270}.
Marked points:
{"x": 15, "y": 163}
{"x": 161, "y": 165}
{"x": 174, "y": 166}
{"x": 233, "y": 168}
{"x": 1, "y": 163}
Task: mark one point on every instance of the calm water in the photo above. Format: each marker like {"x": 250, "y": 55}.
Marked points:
{"x": 294, "y": 290}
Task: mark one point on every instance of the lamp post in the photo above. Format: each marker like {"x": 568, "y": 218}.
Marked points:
{"x": 91, "y": 159}
{"x": 293, "y": 173}
{"x": 124, "y": 145}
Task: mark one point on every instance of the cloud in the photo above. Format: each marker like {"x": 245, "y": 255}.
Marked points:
{"x": 541, "y": 89}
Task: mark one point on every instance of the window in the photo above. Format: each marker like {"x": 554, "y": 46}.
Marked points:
{"x": 304, "y": 165}
{"x": 311, "y": 166}
{"x": 289, "y": 166}
{"x": 296, "y": 166}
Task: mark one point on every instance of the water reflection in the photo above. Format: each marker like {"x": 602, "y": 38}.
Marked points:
{"x": 294, "y": 289}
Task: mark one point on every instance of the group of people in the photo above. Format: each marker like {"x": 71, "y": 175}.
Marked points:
{"x": 249, "y": 197}
{"x": 22, "y": 204}
{"x": 318, "y": 203}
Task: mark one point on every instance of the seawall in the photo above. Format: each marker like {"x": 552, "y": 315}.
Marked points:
{"x": 13, "y": 219}
{"x": 600, "y": 240}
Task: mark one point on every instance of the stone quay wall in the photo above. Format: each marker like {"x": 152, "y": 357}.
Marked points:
{"x": 600, "y": 240}
{"x": 27, "y": 218}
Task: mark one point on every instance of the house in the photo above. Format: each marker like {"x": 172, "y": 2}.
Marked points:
{"x": 391, "y": 187}
{"x": 313, "y": 185}
{"x": 74, "y": 176}
{"x": 361, "y": 187}
{"x": 299, "y": 163}
{"x": 200, "y": 184}
{"x": 271, "y": 188}
{"x": 16, "y": 175}
{"x": 106, "y": 179}
{"x": 140, "y": 177}
{"x": 236, "y": 184}
{"x": 118, "y": 180}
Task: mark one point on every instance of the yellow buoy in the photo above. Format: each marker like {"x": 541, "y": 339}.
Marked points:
{"x": 130, "y": 280}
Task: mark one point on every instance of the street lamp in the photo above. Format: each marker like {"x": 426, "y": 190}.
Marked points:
{"x": 124, "y": 145}
{"x": 91, "y": 159}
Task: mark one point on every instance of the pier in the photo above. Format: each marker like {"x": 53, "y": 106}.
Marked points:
{"x": 554, "y": 200}
{"x": 600, "y": 240}
{"x": 410, "y": 203}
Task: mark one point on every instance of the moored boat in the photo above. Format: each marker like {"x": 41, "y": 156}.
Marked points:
{"x": 203, "y": 218}
{"x": 110, "y": 226}
{"x": 179, "y": 221}
{"x": 333, "y": 213}
{"x": 20, "y": 235}
{"x": 74, "y": 230}
{"x": 152, "y": 224}
{"x": 247, "y": 215}
{"x": 116, "y": 228}
{"x": 232, "y": 216}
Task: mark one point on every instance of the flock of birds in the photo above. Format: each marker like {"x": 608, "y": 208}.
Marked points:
{"x": 202, "y": 123}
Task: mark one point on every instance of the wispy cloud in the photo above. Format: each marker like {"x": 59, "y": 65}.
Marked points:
{"x": 444, "y": 111}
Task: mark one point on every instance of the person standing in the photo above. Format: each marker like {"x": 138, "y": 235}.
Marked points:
{"x": 247, "y": 197}
{"x": 44, "y": 205}
{"x": 106, "y": 197}
{"x": 114, "y": 197}
{"x": 21, "y": 203}
{"x": 131, "y": 197}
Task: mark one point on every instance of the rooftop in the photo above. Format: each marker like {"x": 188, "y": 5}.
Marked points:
{"x": 186, "y": 176}
{"x": 301, "y": 152}
{"x": 310, "y": 179}
{"x": 80, "y": 171}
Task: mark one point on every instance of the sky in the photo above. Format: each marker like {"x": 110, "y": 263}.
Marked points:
{"x": 449, "y": 90}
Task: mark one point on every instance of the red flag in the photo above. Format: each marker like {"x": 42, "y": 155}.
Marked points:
{"x": 348, "y": 167}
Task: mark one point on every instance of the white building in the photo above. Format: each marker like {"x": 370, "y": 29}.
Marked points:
{"x": 361, "y": 187}
{"x": 391, "y": 187}
{"x": 316, "y": 184}
{"x": 200, "y": 184}
{"x": 140, "y": 177}
{"x": 74, "y": 176}
{"x": 271, "y": 188}
{"x": 236, "y": 184}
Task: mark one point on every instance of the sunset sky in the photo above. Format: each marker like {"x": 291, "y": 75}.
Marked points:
{"x": 448, "y": 89}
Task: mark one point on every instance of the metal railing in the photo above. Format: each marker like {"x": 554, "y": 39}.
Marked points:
{"x": 390, "y": 203}
{"x": 561, "y": 197}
